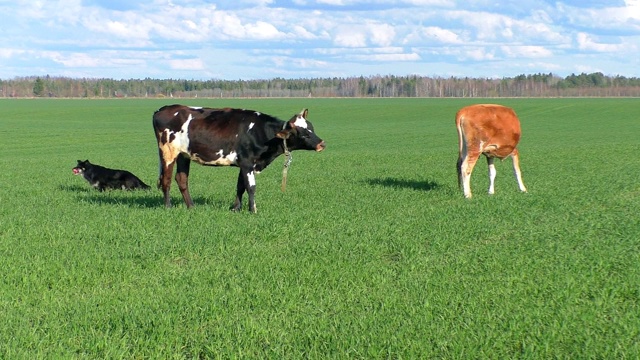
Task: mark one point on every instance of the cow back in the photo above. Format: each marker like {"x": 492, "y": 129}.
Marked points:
{"x": 495, "y": 129}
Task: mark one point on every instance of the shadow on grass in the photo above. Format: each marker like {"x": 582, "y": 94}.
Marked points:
{"x": 403, "y": 183}
{"x": 75, "y": 188}
{"x": 141, "y": 199}
{"x": 152, "y": 201}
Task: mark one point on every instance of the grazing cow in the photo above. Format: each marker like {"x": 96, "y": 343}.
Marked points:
{"x": 225, "y": 137}
{"x": 492, "y": 130}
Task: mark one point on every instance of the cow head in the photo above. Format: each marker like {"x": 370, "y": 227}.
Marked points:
{"x": 299, "y": 134}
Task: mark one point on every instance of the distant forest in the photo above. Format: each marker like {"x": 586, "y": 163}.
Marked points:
{"x": 536, "y": 85}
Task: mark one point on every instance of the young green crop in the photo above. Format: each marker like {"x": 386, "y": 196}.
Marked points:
{"x": 372, "y": 252}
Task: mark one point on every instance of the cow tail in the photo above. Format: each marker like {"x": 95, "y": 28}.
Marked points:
{"x": 461, "y": 145}
{"x": 159, "y": 185}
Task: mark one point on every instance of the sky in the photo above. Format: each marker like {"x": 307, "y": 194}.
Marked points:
{"x": 266, "y": 39}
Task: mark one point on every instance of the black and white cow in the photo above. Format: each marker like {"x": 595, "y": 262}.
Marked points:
{"x": 247, "y": 139}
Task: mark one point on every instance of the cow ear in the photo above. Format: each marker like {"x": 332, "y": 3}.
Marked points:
{"x": 304, "y": 113}
{"x": 284, "y": 134}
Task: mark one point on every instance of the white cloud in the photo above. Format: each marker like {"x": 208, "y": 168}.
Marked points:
{"x": 82, "y": 60}
{"x": 393, "y": 57}
{"x": 228, "y": 24}
{"x": 123, "y": 30}
{"x": 585, "y": 42}
{"x": 441, "y": 35}
{"x": 299, "y": 32}
{"x": 443, "y": 3}
{"x": 480, "y": 54}
{"x": 382, "y": 34}
{"x": 485, "y": 25}
{"x": 73, "y": 60}
{"x": 350, "y": 38}
{"x": 587, "y": 69}
{"x": 526, "y": 51}
{"x": 9, "y": 53}
{"x": 624, "y": 18}
{"x": 262, "y": 30}
{"x": 384, "y": 57}
{"x": 262, "y": 37}
{"x": 308, "y": 63}
{"x": 331, "y": 2}
{"x": 187, "y": 64}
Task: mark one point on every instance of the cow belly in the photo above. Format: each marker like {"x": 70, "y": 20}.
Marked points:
{"x": 219, "y": 159}
{"x": 497, "y": 151}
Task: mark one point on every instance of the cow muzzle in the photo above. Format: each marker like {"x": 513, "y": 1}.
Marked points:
{"x": 320, "y": 146}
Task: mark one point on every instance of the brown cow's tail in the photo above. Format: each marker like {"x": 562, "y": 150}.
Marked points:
{"x": 461, "y": 145}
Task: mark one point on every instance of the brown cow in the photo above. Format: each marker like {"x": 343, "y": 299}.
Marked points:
{"x": 492, "y": 130}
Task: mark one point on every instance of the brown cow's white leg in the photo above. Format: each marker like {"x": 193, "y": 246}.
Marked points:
{"x": 492, "y": 175}
{"x": 516, "y": 169}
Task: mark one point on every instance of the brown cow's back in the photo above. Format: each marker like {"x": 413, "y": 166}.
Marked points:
{"x": 490, "y": 129}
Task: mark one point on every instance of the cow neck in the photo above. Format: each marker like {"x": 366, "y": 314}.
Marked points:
{"x": 287, "y": 160}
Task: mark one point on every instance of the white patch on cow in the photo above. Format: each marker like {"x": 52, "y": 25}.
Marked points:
{"x": 250, "y": 126}
{"x": 195, "y": 107}
{"x": 229, "y": 159}
{"x": 222, "y": 160}
{"x": 176, "y": 113}
{"x": 258, "y": 113}
{"x": 301, "y": 122}
{"x": 179, "y": 144}
{"x": 252, "y": 179}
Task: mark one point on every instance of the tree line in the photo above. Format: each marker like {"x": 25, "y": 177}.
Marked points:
{"x": 534, "y": 85}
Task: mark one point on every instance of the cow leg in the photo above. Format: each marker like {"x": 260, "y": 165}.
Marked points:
{"x": 492, "y": 174}
{"x": 246, "y": 182}
{"x": 250, "y": 177}
{"x": 516, "y": 169}
{"x": 466, "y": 168}
{"x": 240, "y": 189}
{"x": 164, "y": 179}
{"x": 182, "y": 178}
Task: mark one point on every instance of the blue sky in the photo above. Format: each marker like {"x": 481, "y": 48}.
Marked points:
{"x": 263, "y": 39}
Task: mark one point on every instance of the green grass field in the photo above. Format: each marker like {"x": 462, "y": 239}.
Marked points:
{"x": 371, "y": 253}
